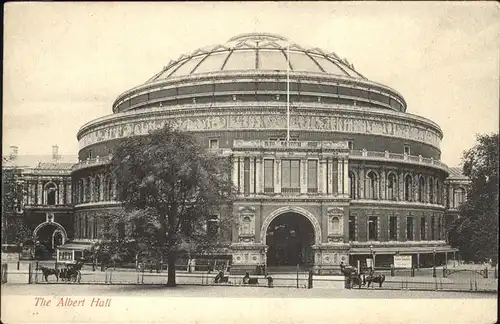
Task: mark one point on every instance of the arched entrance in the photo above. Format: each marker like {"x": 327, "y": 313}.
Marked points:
{"x": 47, "y": 236}
{"x": 290, "y": 237}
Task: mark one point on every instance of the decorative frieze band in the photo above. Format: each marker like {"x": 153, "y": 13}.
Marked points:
{"x": 322, "y": 123}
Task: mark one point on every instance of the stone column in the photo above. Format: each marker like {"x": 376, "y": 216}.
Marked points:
{"x": 40, "y": 193}
{"x": 340, "y": 178}
{"x": 415, "y": 187}
{"x": 277, "y": 176}
{"x": 345, "y": 176}
{"x": 303, "y": 176}
{"x": 258, "y": 176}
{"x": 383, "y": 185}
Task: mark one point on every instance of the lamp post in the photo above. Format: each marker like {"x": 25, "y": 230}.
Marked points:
{"x": 434, "y": 262}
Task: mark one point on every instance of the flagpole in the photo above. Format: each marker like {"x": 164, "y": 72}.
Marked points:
{"x": 288, "y": 92}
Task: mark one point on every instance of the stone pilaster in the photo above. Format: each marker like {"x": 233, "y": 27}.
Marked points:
{"x": 322, "y": 176}
{"x": 234, "y": 173}
{"x": 450, "y": 196}
{"x": 277, "y": 176}
{"x": 361, "y": 182}
{"x": 401, "y": 186}
{"x": 258, "y": 175}
{"x": 383, "y": 185}
{"x": 251, "y": 177}
{"x": 69, "y": 193}
{"x": 60, "y": 193}
{"x": 241, "y": 175}
{"x": 345, "y": 176}
{"x": 303, "y": 176}
{"x": 339, "y": 168}
{"x": 40, "y": 193}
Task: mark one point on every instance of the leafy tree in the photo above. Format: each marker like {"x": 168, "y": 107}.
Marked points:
{"x": 170, "y": 188}
{"x": 14, "y": 231}
{"x": 475, "y": 232}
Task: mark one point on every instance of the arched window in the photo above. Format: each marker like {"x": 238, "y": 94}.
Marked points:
{"x": 431, "y": 190}
{"x": 81, "y": 189}
{"x": 408, "y": 190}
{"x": 458, "y": 197}
{"x": 352, "y": 185}
{"x": 438, "y": 192}
{"x": 391, "y": 187}
{"x": 51, "y": 193}
{"x": 421, "y": 189}
{"x": 88, "y": 189}
{"x": 371, "y": 186}
{"x": 107, "y": 182}
{"x": 97, "y": 187}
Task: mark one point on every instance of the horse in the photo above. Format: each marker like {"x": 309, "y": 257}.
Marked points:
{"x": 220, "y": 278}
{"x": 373, "y": 278}
{"x": 351, "y": 275}
{"x": 46, "y": 272}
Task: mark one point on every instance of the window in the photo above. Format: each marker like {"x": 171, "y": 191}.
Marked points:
{"x": 421, "y": 189}
{"x": 438, "y": 192}
{"x": 290, "y": 175}
{"x": 95, "y": 227}
{"x": 371, "y": 186}
{"x": 312, "y": 176}
{"x": 86, "y": 227}
{"x": 393, "y": 228}
{"x": 352, "y": 228}
{"x": 409, "y": 228}
{"x": 422, "y": 228}
{"x": 90, "y": 154}
{"x": 408, "y": 181}
{"x": 246, "y": 175}
{"x": 431, "y": 190}
{"x": 51, "y": 190}
{"x": 458, "y": 197}
{"x": 213, "y": 143}
{"x": 439, "y": 228}
{"x": 350, "y": 145}
{"x": 213, "y": 226}
{"x": 246, "y": 225}
{"x": 407, "y": 149}
{"x": 268, "y": 175}
{"x": 372, "y": 228}
{"x": 391, "y": 185}
{"x": 98, "y": 188}
{"x": 352, "y": 185}
{"x": 432, "y": 229}
{"x": 88, "y": 189}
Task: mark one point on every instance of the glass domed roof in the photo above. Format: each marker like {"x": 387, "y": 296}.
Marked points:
{"x": 257, "y": 51}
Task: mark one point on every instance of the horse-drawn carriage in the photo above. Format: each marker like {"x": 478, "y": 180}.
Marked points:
{"x": 355, "y": 278}
{"x": 71, "y": 273}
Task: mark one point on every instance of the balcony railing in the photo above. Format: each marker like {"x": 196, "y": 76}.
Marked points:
{"x": 364, "y": 154}
{"x": 92, "y": 162}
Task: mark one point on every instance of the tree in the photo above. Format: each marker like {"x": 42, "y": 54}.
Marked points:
{"x": 475, "y": 232}
{"x": 14, "y": 231}
{"x": 170, "y": 188}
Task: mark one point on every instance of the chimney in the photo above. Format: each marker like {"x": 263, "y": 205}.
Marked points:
{"x": 55, "y": 155}
{"x": 13, "y": 152}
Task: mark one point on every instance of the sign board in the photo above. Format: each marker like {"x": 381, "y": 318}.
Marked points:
{"x": 402, "y": 261}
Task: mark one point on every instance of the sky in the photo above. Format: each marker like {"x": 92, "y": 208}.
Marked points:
{"x": 65, "y": 63}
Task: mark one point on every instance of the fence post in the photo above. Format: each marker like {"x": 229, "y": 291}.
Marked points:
{"x": 413, "y": 271}
{"x": 392, "y": 270}
{"x": 110, "y": 275}
{"x": 18, "y": 264}
{"x": 310, "y": 280}
{"x": 486, "y": 272}
{"x": 29, "y": 273}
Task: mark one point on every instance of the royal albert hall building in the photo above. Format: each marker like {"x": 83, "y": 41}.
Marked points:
{"x": 359, "y": 177}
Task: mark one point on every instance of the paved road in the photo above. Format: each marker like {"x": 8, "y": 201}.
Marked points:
{"x": 218, "y": 291}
